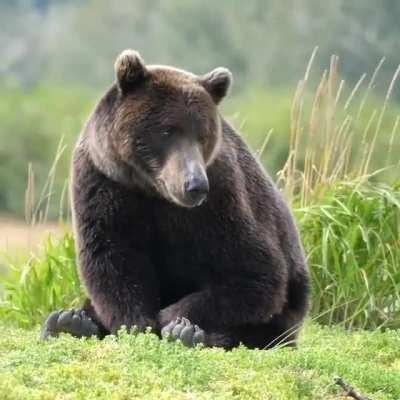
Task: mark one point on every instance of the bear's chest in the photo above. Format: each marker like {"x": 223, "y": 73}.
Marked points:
{"x": 183, "y": 256}
{"x": 192, "y": 248}
{"x": 181, "y": 268}
{"x": 183, "y": 249}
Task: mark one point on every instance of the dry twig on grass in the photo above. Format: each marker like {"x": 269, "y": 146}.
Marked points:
{"x": 350, "y": 391}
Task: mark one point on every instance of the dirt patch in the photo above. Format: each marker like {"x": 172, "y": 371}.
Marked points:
{"x": 17, "y": 235}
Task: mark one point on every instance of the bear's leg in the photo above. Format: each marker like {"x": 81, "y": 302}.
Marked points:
{"x": 78, "y": 323}
{"x": 280, "y": 331}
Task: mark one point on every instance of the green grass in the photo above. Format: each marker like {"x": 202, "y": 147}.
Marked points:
{"x": 43, "y": 284}
{"x": 352, "y": 241}
{"x": 143, "y": 367}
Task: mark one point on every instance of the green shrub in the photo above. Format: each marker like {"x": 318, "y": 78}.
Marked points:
{"x": 44, "y": 284}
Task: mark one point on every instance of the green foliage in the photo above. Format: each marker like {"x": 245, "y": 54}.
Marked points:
{"x": 265, "y": 46}
{"x": 352, "y": 240}
{"x": 44, "y": 284}
{"x": 265, "y": 41}
{"x": 144, "y": 367}
{"x": 258, "y": 110}
{"x": 38, "y": 118}
{"x": 32, "y": 124}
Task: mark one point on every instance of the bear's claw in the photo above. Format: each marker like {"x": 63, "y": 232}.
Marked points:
{"x": 76, "y": 323}
{"x": 182, "y": 329}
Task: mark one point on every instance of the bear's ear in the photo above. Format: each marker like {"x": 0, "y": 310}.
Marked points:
{"x": 130, "y": 70}
{"x": 217, "y": 83}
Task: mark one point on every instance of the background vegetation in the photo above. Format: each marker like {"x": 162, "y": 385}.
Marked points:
{"x": 57, "y": 57}
{"x": 326, "y": 128}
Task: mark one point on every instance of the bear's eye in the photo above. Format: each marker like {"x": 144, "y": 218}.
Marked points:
{"x": 166, "y": 133}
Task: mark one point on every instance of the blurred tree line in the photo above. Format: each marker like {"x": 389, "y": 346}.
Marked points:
{"x": 268, "y": 41}
{"x": 56, "y": 58}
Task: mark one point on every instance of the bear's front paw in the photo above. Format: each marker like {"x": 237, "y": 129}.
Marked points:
{"x": 181, "y": 328}
{"x": 76, "y": 323}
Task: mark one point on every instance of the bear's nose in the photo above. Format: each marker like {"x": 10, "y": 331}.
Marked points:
{"x": 196, "y": 189}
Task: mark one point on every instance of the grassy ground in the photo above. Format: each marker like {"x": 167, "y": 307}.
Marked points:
{"x": 143, "y": 367}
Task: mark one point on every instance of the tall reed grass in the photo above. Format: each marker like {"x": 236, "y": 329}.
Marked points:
{"x": 50, "y": 280}
{"x": 43, "y": 284}
{"x": 349, "y": 221}
{"x": 352, "y": 238}
{"x": 333, "y": 136}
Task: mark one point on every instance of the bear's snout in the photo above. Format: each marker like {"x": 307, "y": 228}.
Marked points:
{"x": 196, "y": 189}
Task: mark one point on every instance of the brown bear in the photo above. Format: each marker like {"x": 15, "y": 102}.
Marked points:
{"x": 178, "y": 227}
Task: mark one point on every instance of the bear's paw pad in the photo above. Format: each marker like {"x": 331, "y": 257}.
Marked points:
{"x": 76, "y": 323}
{"x": 182, "y": 329}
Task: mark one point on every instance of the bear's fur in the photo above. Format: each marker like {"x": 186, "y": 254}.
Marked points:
{"x": 234, "y": 265}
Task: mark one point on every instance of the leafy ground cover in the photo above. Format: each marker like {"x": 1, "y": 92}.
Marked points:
{"x": 143, "y": 367}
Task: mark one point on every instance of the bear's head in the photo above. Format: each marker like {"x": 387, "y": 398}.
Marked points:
{"x": 159, "y": 127}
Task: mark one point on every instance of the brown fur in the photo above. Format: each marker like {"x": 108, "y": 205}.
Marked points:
{"x": 233, "y": 265}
